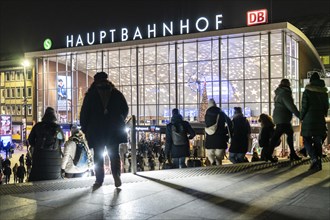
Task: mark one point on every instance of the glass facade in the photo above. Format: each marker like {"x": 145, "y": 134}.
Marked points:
{"x": 236, "y": 70}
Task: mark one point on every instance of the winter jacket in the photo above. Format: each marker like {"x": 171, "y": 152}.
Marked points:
{"x": 265, "y": 136}
{"x": 21, "y": 172}
{"x": 219, "y": 139}
{"x": 46, "y": 139}
{"x": 181, "y": 150}
{"x": 69, "y": 165}
{"x": 103, "y": 114}
{"x": 241, "y": 134}
{"x": 314, "y": 109}
{"x": 284, "y": 106}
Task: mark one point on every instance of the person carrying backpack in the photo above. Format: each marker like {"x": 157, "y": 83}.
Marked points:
{"x": 46, "y": 139}
{"x": 177, "y": 140}
{"x": 77, "y": 158}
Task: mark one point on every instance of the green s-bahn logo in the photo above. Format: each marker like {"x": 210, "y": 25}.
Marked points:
{"x": 47, "y": 44}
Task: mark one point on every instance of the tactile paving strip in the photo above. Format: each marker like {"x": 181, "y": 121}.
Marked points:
{"x": 75, "y": 183}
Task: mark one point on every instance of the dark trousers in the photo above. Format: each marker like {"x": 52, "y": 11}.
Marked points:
{"x": 113, "y": 152}
{"x": 281, "y": 129}
{"x": 313, "y": 146}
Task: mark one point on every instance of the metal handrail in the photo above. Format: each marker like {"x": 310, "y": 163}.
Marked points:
{"x": 131, "y": 122}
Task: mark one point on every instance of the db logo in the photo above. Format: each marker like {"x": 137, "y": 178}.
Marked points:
{"x": 257, "y": 17}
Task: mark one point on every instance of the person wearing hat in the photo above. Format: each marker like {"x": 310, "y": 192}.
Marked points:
{"x": 218, "y": 129}
{"x": 178, "y": 133}
{"x": 314, "y": 109}
{"x": 102, "y": 119}
{"x": 240, "y": 138}
{"x": 46, "y": 139}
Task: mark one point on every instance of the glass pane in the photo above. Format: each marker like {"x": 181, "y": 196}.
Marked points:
{"x": 125, "y": 57}
{"x": 204, "y": 50}
{"x": 114, "y": 58}
{"x": 264, "y": 90}
{"x": 162, "y": 54}
{"x": 237, "y": 93}
{"x": 162, "y": 73}
{"x": 224, "y": 48}
{"x": 190, "y": 52}
{"x": 276, "y": 43}
{"x": 252, "y": 91}
{"x": 235, "y": 47}
{"x": 149, "y": 55}
{"x": 264, "y": 67}
{"x": 236, "y": 68}
{"x": 252, "y": 109}
{"x": 252, "y": 68}
{"x": 252, "y": 46}
{"x": 276, "y": 69}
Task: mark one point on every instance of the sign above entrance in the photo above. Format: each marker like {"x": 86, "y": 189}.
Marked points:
{"x": 184, "y": 26}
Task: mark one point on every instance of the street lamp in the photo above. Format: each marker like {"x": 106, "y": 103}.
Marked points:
{"x": 25, "y": 64}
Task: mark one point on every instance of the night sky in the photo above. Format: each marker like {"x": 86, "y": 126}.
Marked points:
{"x": 25, "y": 24}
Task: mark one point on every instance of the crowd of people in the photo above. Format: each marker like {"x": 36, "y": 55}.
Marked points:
{"x": 102, "y": 121}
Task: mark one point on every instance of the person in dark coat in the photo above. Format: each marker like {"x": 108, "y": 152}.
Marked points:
{"x": 21, "y": 159}
{"x": 21, "y": 172}
{"x": 216, "y": 143}
{"x": 240, "y": 138}
{"x": 46, "y": 139}
{"x": 178, "y": 133}
{"x": 102, "y": 119}
{"x": 314, "y": 109}
{"x": 265, "y": 135}
{"x": 282, "y": 116}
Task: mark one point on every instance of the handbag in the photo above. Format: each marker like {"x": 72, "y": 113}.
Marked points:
{"x": 213, "y": 128}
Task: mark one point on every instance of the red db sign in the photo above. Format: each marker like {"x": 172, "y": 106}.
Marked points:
{"x": 257, "y": 17}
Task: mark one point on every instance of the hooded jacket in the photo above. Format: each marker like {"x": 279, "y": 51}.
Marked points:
{"x": 314, "y": 109}
{"x": 284, "y": 105}
{"x": 183, "y": 150}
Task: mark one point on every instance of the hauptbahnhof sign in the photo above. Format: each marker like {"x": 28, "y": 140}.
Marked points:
{"x": 149, "y": 31}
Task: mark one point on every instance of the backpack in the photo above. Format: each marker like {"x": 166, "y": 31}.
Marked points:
{"x": 179, "y": 135}
{"x": 49, "y": 138}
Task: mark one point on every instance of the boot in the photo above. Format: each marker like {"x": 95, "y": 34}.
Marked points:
{"x": 316, "y": 165}
{"x": 294, "y": 156}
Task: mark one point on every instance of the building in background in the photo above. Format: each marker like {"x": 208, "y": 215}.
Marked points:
{"x": 12, "y": 101}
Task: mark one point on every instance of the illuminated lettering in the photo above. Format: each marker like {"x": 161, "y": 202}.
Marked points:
{"x": 206, "y": 24}
{"x": 112, "y": 34}
{"x": 170, "y": 28}
{"x": 152, "y": 30}
{"x": 103, "y": 34}
{"x": 257, "y": 17}
{"x": 218, "y": 21}
{"x": 69, "y": 41}
{"x": 184, "y": 26}
{"x": 137, "y": 34}
{"x": 124, "y": 34}
{"x": 166, "y": 28}
{"x": 88, "y": 40}
{"x": 79, "y": 41}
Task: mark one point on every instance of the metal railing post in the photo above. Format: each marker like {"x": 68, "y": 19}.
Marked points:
{"x": 133, "y": 144}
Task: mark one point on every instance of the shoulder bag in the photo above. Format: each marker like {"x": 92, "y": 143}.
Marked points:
{"x": 213, "y": 128}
